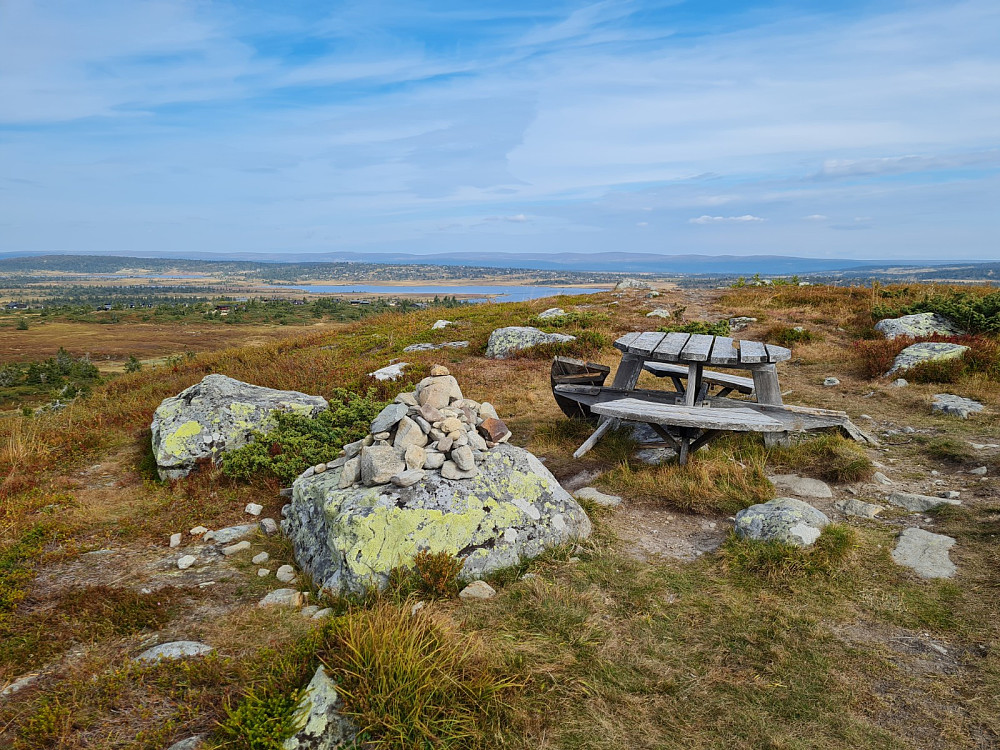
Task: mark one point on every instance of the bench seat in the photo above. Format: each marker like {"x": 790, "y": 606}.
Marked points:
{"x": 699, "y": 417}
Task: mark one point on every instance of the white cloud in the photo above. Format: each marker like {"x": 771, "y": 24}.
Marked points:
{"x": 814, "y": 217}
{"x": 725, "y": 219}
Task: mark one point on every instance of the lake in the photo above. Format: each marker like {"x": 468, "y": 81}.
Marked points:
{"x": 482, "y": 293}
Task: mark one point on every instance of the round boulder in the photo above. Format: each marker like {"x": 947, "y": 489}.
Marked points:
{"x": 505, "y": 341}
{"x": 915, "y": 326}
{"x": 783, "y": 519}
{"x": 927, "y": 351}
{"x": 349, "y": 539}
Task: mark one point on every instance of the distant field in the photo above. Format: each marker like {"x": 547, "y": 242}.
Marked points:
{"x": 110, "y": 345}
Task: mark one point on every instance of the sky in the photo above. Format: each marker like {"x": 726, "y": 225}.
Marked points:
{"x": 818, "y": 129}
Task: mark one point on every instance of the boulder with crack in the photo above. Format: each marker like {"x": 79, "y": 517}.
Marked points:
{"x": 217, "y": 415}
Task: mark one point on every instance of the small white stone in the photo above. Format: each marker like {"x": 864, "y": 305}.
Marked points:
{"x": 325, "y": 612}
{"x": 260, "y": 558}
{"x": 234, "y": 548}
{"x": 979, "y": 471}
{"x": 309, "y": 611}
{"x": 478, "y": 590}
{"x": 186, "y": 562}
{"x": 197, "y": 530}
{"x": 254, "y": 509}
{"x": 175, "y": 539}
{"x": 286, "y": 574}
{"x": 263, "y": 572}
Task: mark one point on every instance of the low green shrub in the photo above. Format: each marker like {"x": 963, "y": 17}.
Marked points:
{"x": 972, "y": 312}
{"x": 786, "y": 336}
{"x": 261, "y": 721}
{"x": 699, "y": 326}
{"x": 298, "y": 442}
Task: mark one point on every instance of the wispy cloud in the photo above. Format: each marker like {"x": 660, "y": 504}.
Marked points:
{"x": 746, "y": 218}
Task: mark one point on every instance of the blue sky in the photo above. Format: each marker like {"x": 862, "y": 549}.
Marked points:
{"x": 855, "y": 130}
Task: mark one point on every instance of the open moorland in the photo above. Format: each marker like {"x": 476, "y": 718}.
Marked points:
{"x": 662, "y": 629}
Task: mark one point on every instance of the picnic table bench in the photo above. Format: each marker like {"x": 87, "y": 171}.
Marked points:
{"x": 688, "y": 419}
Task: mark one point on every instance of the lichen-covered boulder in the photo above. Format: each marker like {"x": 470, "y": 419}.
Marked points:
{"x": 920, "y": 324}
{"x": 955, "y": 406}
{"x": 783, "y": 519}
{"x": 552, "y": 312}
{"x": 216, "y": 415}
{"x": 349, "y": 539}
{"x": 629, "y": 283}
{"x": 321, "y": 725}
{"x": 927, "y": 351}
{"x": 504, "y": 341}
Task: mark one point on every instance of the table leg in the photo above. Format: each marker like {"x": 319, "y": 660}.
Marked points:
{"x": 693, "y": 383}
{"x": 765, "y": 385}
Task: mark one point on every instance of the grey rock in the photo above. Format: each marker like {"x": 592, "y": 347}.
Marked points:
{"x": 186, "y": 562}
{"x": 434, "y": 460}
{"x": 350, "y": 473}
{"x": 630, "y": 283}
{"x": 455, "y": 345}
{"x": 979, "y": 471}
{"x": 232, "y": 533}
{"x": 406, "y": 397}
{"x": 263, "y": 572}
{"x": 919, "y": 503}
{"x": 655, "y": 456}
{"x": 283, "y": 598}
{"x": 881, "y": 478}
{"x": 387, "y": 418}
{"x": 505, "y": 341}
{"x": 320, "y": 614}
{"x": 347, "y": 540}
{"x": 477, "y": 590}
{"x": 423, "y": 424}
{"x": 450, "y": 470}
{"x": 783, "y": 519}
{"x": 955, "y": 406}
{"x": 928, "y": 351}
{"x": 802, "y": 486}
{"x": 318, "y": 715}
{"x": 439, "y": 324}
{"x": 462, "y": 456}
{"x": 488, "y": 411}
{"x": 175, "y": 540}
{"x": 409, "y": 433}
{"x": 925, "y": 553}
{"x": 950, "y": 495}
{"x": 408, "y": 477}
{"x": 173, "y": 650}
{"x": 917, "y": 325}
{"x": 254, "y": 509}
{"x": 594, "y": 495}
{"x": 260, "y": 558}
{"x": 379, "y": 464}
{"x": 19, "y": 684}
{"x": 740, "y": 322}
{"x": 552, "y": 312}
{"x": 269, "y": 526}
{"x": 900, "y": 383}
{"x": 309, "y": 611}
{"x": 285, "y": 574}
{"x": 852, "y": 507}
{"x": 191, "y": 743}
{"x": 390, "y": 372}
{"x": 218, "y": 415}
{"x": 420, "y": 348}
{"x": 830, "y": 382}
{"x": 659, "y": 312}
{"x": 415, "y": 457}
{"x": 438, "y": 391}
{"x": 235, "y": 548}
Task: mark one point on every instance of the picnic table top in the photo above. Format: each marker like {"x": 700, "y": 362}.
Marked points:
{"x": 696, "y": 347}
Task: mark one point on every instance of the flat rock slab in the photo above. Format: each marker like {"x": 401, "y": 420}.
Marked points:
{"x": 928, "y": 351}
{"x": 218, "y": 415}
{"x": 552, "y": 312}
{"x": 920, "y": 503}
{"x": 853, "y": 507}
{"x": 925, "y": 553}
{"x": 173, "y": 650}
{"x": 191, "y": 743}
{"x": 505, "y": 341}
{"x": 955, "y": 406}
{"x": 230, "y": 533}
{"x": 919, "y": 324}
{"x": 389, "y": 372}
{"x": 783, "y": 519}
{"x": 802, "y": 486}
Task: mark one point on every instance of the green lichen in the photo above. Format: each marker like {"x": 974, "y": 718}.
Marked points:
{"x": 178, "y": 442}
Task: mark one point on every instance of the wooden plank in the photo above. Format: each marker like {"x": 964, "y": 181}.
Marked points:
{"x": 592, "y": 440}
{"x": 670, "y": 348}
{"x": 723, "y": 352}
{"x": 722, "y": 379}
{"x": 624, "y": 341}
{"x": 693, "y": 382}
{"x": 645, "y": 343}
{"x": 698, "y": 347}
{"x": 752, "y": 352}
{"x": 629, "y": 370}
{"x": 639, "y": 410}
{"x": 777, "y": 353}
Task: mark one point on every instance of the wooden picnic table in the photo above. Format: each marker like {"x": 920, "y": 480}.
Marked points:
{"x": 692, "y": 421}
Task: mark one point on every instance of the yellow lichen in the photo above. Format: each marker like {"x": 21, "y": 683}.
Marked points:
{"x": 178, "y": 442}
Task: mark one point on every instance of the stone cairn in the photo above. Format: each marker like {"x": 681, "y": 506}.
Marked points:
{"x": 433, "y": 428}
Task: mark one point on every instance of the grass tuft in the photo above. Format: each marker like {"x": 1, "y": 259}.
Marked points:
{"x": 778, "y": 562}
{"x": 830, "y": 457}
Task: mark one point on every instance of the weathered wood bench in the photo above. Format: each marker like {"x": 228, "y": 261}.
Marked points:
{"x": 728, "y": 383}
{"x": 695, "y": 425}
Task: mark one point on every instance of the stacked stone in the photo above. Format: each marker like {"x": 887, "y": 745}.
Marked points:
{"x": 433, "y": 428}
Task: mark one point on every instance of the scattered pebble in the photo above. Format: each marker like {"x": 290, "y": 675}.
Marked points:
{"x": 478, "y": 590}
{"x": 325, "y": 612}
{"x": 310, "y": 610}
{"x": 979, "y": 471}
{"x": 254, "y": 509}
{"x": 263, "y": 572}
{"x": 831, "y": 382}
{"x": 175, "y": 540}
{"x": 198, "y": 531}
{"x": 284, "y": 597}
{"x": 881, "y": 478}
{"x": 260, "y": 558}
{"x": 186, "y": 562}
{"x": 173, "y": 650}
{"x": 286, "y": 574}
{"x": 269, "y": 526}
